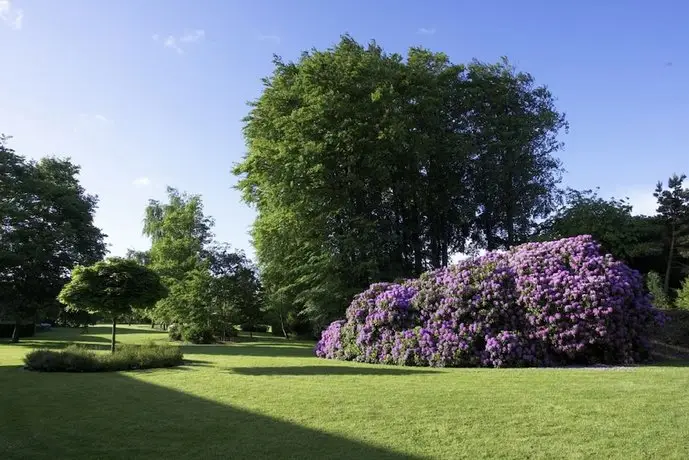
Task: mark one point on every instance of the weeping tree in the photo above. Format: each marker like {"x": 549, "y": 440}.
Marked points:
{"x": 112, "y": 287}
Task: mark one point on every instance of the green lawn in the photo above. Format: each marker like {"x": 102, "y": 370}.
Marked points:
{"x": 270, "y": 398}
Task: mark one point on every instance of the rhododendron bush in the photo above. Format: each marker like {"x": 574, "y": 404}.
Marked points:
{"x": 539, "y": 304}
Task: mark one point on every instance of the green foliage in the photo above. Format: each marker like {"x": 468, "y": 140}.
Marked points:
{"x": 365, "y": 167}
{"x": 673, "y": 210}
{"x": 77, "y": 318}
{"x": 47, "y": 228}
{"x": 610, "y": 222}
{"x": 75, "y": 358}
{"x": 10, "y": 329}
{"x": 112, "y": 287}
{"x": 682, "y": 300}
{"x": 196, "y": 333}
{"x": 211, "y": 287}
{"x": 179, "y": 231}
{"x": 248, "y": 327}
{"x": 235, "y": 290}
{"x": 174, "y": 331}
{"x": 654, "y": 284}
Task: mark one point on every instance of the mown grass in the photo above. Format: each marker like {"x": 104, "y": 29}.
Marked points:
{"x": 270, "y": 398}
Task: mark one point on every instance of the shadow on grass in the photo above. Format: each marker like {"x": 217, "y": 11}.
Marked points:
{"x": 35, "y": 344}
{"x": 116, "y": 416}
{"x": 669, "y": 355}
{"x": 252, "y": 349}
{"x": 327, "y": 370}
{"x": 122, "y": 329}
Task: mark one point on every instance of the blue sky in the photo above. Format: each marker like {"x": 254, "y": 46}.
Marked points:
{"x": 144, "y": 94}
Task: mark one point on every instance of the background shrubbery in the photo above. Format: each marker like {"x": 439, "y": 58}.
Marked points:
{"x": 75, "y": 358}
{"x": 254, "y": 327}
{"x": 540, "y": 304}
{"x": 195, "y": 333}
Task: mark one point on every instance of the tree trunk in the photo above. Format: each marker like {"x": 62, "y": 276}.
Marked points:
{"x": 668, "y": 269}
{"x": 114, "y": 332}
{"x": 510, "y": 227}
{"x": 282, "y": 325}
{"x": 15, "y": 332}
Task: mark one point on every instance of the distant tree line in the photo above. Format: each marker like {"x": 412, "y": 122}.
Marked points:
{"x": 656, "y": 245}
{"x": 52, "y": 266}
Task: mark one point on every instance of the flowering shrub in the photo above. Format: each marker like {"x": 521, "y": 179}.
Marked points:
{"x": 540, "y": 304}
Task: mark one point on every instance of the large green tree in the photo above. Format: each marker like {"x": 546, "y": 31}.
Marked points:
{"x": 234, "y": 288}
{"x": 112, "y": 287}
{"x": 513, "y": 126}
{"x": 673, "y": 210}
{"x": 47, "y": 228}
{"x": 364, "y": 166}
{"x": 179, "y": 232}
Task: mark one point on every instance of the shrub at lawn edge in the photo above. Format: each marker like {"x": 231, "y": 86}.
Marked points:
{"x": 76, "y": 358}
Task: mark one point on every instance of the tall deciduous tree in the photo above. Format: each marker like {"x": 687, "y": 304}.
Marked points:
{"x": 235, "y": 289}
{"x": 47, "y": 228}
{"x": 179, "y": 232}
{"x": 673, "y": 209}
{"x": 365, "y": 167}
{"x": 112, "y": 287}
{"x": 513, "y": 125}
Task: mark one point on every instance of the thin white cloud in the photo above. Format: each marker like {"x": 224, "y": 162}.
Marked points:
{"x": 171, "y": 42}
{"x": 142, "y": 182}
{"x": 11, "y": 16}
{"x": 178, "y": 43}
{"x": 269, "y": 38}
{"x": 193, "y": 36}
{"x": 425, "y": 31}
{"x": 101, "y": 118}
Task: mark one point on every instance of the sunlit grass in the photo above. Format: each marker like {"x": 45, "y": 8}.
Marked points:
{"x": 270, "y": 398}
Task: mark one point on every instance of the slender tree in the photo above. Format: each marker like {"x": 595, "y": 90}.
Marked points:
{"x": 179, "y": 232}
{"x": 673, "y": 209}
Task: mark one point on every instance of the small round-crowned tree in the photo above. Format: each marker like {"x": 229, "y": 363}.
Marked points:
{"x": 112, "y": 287}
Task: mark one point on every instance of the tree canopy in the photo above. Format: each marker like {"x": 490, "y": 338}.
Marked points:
{"x": 210, "y": 285}
{"x": 364, "y": 166}
{"x": 47, "y": 228}
{"x": 112, "y": 287}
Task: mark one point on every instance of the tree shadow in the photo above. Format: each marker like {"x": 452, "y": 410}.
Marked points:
{"x": 252, "y": 349}
{"x": 668, "y": 355}
{"x": 105, "y": 345}
{"x": 114, "y": 415}
{"x": 122, "y": 329}
{"x": 328, "y": 370}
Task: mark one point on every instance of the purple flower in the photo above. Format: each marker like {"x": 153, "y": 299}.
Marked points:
{"x": 539, "y": 304}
